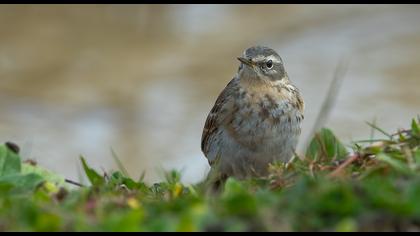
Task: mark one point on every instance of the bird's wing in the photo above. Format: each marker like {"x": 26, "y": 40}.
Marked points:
{"x": 216, "y": 117}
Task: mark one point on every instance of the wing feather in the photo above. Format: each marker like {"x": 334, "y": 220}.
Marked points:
{"x": 216, "y": 116}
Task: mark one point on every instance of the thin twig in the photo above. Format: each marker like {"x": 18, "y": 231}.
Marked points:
{"x": 348, "y": 161}
{"x": 73, "y": 182}
{"x": 404, "y": 131}
{"x": 371, "y": 141}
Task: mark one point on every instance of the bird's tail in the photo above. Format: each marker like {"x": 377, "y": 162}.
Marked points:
{"x": 215, "y": 179}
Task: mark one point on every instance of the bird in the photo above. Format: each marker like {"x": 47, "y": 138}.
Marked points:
{"x": 256, "y": 119}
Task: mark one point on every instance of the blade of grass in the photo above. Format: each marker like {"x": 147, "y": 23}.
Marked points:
{"x": 371, "y": 140}
{"x": 119, "y": 163}
{"x": 143, "y": 174}
{"x": 80, "y": 176}
{"x": 372, "y": 130}
{"x": 379, "y": 129}
{"x": 415, "y": 127}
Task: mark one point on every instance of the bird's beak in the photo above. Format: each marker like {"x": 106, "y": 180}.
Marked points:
{"x": 245, "y": 61}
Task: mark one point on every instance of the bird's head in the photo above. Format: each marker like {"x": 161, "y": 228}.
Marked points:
{"x": 261, "y": 62}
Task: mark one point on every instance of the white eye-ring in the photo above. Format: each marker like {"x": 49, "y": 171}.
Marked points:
{"x": 269, "y": 64}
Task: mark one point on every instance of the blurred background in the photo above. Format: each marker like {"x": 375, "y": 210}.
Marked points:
{"x": 141, "y": 79}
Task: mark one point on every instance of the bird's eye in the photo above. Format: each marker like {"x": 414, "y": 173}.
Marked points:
{"x": 269, "y": 64}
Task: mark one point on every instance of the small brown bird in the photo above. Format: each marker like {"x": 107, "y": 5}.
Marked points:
{"x": 256, "y": 119}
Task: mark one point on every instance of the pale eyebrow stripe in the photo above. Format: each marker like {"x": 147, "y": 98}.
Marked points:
{"x": 274, "y": 59}
{"x": 263, "y": 58}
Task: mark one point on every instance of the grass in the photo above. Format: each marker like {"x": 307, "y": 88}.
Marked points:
{"x": 372, "y": 186}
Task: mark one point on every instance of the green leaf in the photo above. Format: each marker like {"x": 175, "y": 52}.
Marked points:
{"x": 415, "y": 127}
{"x": 9, "y": 161}
{"x": 346, "y": 225}
{"x": 326, "y": 145}
{"x": 22, "y": 183}
{"x": 5, "y": 188}
{"x": 94, "y": 178}
{"x": 237, "y": 200}
{"x": 393, "y": 162}
{"x": 118, "y": 178}
{"x": 172, "y": 176}
{"x": 417, "y": 155}
{"x": 46, "y": 174}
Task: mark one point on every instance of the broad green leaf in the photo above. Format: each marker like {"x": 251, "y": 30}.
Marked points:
{"x": 314, "y": 150}
{"x": 325, "y": 145}
{"x": 94, "y": 178}
{"x": 9, "y": 161}
{"x": 22, "y": 183}
{"x": 46, "y": 174}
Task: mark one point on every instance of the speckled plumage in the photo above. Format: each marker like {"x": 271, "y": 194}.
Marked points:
{"x": 256, "y": 119}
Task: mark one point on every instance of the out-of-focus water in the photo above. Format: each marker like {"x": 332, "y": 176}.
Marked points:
{"x": 141, "y": 79}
